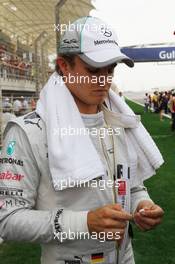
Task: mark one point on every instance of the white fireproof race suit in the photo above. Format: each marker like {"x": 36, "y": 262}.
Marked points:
{"x": 31, "y": 210}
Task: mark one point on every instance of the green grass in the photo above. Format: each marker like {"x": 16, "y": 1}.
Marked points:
{"x": 19, "y": 253}
{"x": 158, "y": 246}
{"x": 153, "y": 247}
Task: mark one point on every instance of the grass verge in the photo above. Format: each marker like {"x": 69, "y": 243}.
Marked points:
{"x": 157, "y": 246}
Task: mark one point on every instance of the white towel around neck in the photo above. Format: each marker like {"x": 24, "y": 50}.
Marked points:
{"x": 140, "y": 134}
{"x": 139, "y": 142}
{"x": 73, "y": 158}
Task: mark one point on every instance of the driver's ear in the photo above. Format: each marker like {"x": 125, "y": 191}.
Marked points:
{"x": 63, "y": 65}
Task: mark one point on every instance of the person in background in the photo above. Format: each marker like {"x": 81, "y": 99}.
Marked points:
{"x": 32, "y": 104}
{"x": 166, "y": 99}
{"x": 25, "y": 105}
{"x": 172, "y": 109}
{"x": 6, "y": 105}
{"x": 150, "y": 102}
{"x": 146, "y": 103}
{"x": 161, "y": 104}
{"x": 155, "y": 102}
{"x": 17, "y": 106}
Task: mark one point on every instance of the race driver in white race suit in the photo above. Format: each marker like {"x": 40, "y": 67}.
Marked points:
{"x": 75, "y": 193}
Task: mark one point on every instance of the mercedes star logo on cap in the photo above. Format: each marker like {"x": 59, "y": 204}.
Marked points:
{"x": 106, "y": 32}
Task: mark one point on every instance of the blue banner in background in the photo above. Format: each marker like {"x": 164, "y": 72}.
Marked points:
{"x": 150, "y": 54}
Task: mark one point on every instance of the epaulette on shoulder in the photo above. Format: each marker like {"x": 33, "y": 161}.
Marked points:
{"x": 30, "y": 123}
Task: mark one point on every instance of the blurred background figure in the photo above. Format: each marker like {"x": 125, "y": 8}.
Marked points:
{"x": 6, "y": 105}
{"x": 155, "y": 102}
{"x": 24, "y": 106}
{"x": 17, "y": 106}
{"x": 146, "y": 103}
{"x": 163, "y": 104}
{"x": 32, "y": 104}
{"x": 172, "y": 109}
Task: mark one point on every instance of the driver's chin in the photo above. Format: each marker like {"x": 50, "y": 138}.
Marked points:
{"x": 98, "y": 101}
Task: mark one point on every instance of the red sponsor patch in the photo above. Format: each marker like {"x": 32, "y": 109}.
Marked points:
{"x": 10, "y": 176}
{"x": 122, "y": 188}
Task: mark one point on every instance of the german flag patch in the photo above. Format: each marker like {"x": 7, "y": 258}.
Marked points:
{"x": 97, "y": 258}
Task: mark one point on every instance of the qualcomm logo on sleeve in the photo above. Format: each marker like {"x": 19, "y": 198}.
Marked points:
{"x": 11, "y": 147}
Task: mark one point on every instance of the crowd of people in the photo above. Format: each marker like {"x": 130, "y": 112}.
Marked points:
{"x": 18, "y": 105}
{"x": 15, "y": 107}
{"x": 15, "y": 67}
{"x": 162, "y": 103}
